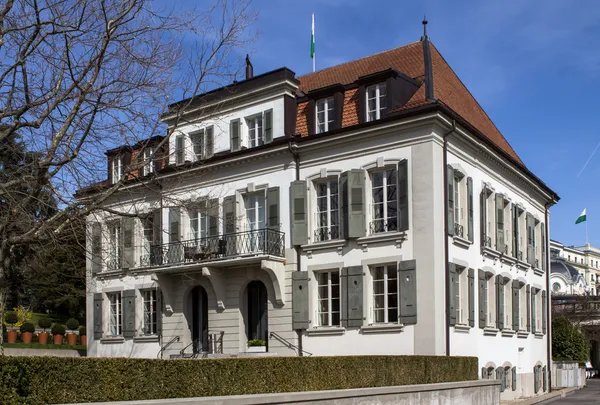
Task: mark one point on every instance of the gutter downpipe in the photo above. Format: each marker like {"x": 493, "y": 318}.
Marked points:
{"x": 549, "y": 301}
{"x": 293, "y": 148}
{"x": 446, "y": 253}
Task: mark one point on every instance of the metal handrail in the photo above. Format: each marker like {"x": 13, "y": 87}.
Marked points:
{"x": 169, "y": 343}
{"x": 382, "y": 225}
{"x": 287, "y": 343}
{"x": 194, "y": 350}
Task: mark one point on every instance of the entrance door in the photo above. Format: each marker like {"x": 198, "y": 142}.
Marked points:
{"x": 199, "y": 319}
{"x": 257, "y": 311}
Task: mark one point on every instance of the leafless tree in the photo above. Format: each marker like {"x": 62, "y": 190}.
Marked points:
{"x": 78, "y": 77}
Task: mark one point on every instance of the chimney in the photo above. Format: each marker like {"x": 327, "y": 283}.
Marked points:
{"x": 249, "y": 69}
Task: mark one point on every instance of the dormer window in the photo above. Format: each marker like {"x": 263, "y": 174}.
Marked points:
{"x": 376, "y": 101}
{"x": 148, "y": 164}
{"x": 203, "y": 143}
{"x": 260, "y": 130}
{"x": 117, "y": 168}
{"x": 324, "y": 114}
{"x": 255, "y": 131}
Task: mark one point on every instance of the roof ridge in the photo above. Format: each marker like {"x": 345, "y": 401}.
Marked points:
{"x": 356, "y": 60}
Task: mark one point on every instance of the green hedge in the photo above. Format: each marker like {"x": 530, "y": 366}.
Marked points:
{"x": 42, "y": 380}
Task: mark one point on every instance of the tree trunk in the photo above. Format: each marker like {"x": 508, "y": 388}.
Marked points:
{"x": 1, "y": 321}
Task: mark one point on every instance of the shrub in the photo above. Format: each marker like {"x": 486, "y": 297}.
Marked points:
{"x": 11, "y": 318}
{"x": 256, "y": 342}
{"x": 117, "y": 379}
{"x": 58, "y": 329}
{"x": 44, "y": 323}
{"x": 569, "y": 341}
{"x": 72, "y": 324}
{"x": 82, "y": 331}
{"x": 27, "y": 327}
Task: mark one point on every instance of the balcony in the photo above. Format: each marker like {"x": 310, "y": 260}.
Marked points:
{"x": 381, "y": 225}
{"x": 458, "y": 230}
{"x": 327, "y": 233}
{"x": 213, "y": 248}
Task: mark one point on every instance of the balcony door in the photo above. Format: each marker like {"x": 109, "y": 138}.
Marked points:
{"x": 199, "y": 321}
{"x": 257, "y": 319}
{"x": 255, "y": 220}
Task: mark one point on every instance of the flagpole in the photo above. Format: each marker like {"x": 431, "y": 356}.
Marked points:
{"x": 314, "y": 59}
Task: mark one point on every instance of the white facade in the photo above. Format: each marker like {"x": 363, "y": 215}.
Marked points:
{"x": 371, "y": 274}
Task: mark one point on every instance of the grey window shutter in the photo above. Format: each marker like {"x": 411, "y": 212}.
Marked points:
{"x": 159, "y": 312}
{"x": 353, "y": 208}
{"x": 500, "y": 376}
{"x": 450, "y": 207}
{"x": 98, "y": 316}
{"x": 528, "y": 302}
{"x": 536, "y": 379}
{"x": 128, "y": 313}
{"x": 273, "y": 208}
{"x": 453, "y": 277}
{"x": 353, "y": 294}
{"x": 545, "y": 378}
{"x": 174, "y": 224}
{"x": 530, "y": 235}
{"x": 343, "y": 296}
{"x": 499, "y": 302}
{"x": 234, "y": 134}
{"x": 483, "y": 214}
{"x": 482, "y": 299}
{"x": 127, "y": 224}
{"x": 179, "y": 150}
{"x": 484, "y": 373}
{"x": 96, "y": 247}
{"x": 471, "y": 297}
{"x": 268, "y": 125}
{"x": 513, "y": 374}
{"x": 543, "y": 237}
{"x": 403, "y": 195}
{"x": 533, "y": 311}
{"x": 471, "y": 236}
{"x": 408, "y": 292}
{"x": 500, "y": 223}
{"x": 516, "y": 247}
{"x": 516, "y": 311}
{"x": 299, "y": 212}
{"x": 544, "y": 315}
{"x": 210, "y": 141}
{"x": 157, "y": 226}
{"x": 229, "y": 230}
{"x": 213, "y": 217}
{"x": 300, "y": 318}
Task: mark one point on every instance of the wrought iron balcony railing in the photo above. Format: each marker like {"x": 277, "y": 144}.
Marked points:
{"x": 458, "y": 230}
{"x": 327, "y": 233}
{"x": 487, "y": 241}
{"x": 260, "y": 241}
{"x": 520, "y": 257}
{"x": 382, "y": 225}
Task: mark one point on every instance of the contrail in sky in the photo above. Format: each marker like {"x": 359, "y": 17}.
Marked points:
{"x": 588, "y": 161}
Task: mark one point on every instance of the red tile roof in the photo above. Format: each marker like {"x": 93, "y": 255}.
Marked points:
{"x": 408, "y": 59}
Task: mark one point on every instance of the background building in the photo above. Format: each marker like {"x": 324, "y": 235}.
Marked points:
{"x": 575, "y": 269}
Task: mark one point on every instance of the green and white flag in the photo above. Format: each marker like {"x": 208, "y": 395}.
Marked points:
{"x": 312, "y": 38}
{"x": 582, "y": 217}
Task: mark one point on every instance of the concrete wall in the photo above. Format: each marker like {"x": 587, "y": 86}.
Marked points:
{"x": 464, "y": 393}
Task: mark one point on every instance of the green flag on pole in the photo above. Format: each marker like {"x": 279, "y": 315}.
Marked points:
{"x": 312, "y": 38}
{"x": 582, "y": 217}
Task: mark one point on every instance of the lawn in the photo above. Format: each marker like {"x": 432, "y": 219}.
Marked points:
{"x": 36, "y": 316}
{"x": 21, "y": 345}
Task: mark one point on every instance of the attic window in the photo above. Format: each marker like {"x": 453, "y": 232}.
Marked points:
{"x": 148, "y": 164}
{"x": 324, "y": 115}
{"x": 117, "y": 168}
{"x": 376, "y": 101}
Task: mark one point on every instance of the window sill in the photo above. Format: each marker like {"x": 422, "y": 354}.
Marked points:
{"x": 461, "y": 242}
{"x": 146, "y": 339}
{"x": 325, "y": 331}
{"x": 539, "y": 335}
{"x": 508, "y": 259}
{"x": 523, "y": 334}
{"x": 112, "y": 340}
{"x": 397, "y": 237}
{"x": 508, "y": 332}
{"x": 462, "y": 328}
{"x": 538, "y": 272}
{"x": 107, "y": 273}
{"x": 382, "y": 328}
{"x": 492, "y": 253}
{"x": 523, "y": 265}
{"x": 490, "y": 331}
{"x": 329, "y": 244}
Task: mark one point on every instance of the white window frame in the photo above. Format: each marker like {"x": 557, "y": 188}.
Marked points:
{"x": 387, "y": 268}
{"x": 199, "y": 220}
{"x": 462, "y": 293}
{"x": 258, "y": 201}
{"x": 492, "y": 311}
{"x": 386, "y": 225}
{"x": 329, "y": 287}
{"x": 508, "y": 313}
{"x": 115, "y": 245}
{"x": 149, "y": 311}
{"x": 199, "y": 135}
{"x": 117, "y": 168}
{"x": 375, "y": 114}
{"x": 115, "y": 313}
{"x": 330, "y": 231}
{"x": 326, "y": 106}
{"x": 256, "y": 133}
{"x": 148, "y": 163}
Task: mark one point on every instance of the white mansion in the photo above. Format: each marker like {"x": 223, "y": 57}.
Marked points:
{"x": 368, "y": 208}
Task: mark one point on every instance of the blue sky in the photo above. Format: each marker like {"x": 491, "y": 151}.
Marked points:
{"x": 534, "y": 66}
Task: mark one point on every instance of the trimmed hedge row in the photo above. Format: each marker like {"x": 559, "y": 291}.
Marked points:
{"x": 42, "y": 380}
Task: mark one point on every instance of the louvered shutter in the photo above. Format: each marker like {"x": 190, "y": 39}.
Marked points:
{"x": 544, "y": 309}
{"x": 528, "y": 302}
{"x": 408, "y": 292}
{"x": 234, "y": 134}
{"x": 159, "y": 312}
{"x": 213, "y": 217}
{"x": 500, "y": 223}
{"x": 228, "y": 242}
{"x": 352, "y": 296}
{"x": 484, "y": 373}
{"x": 300, "y": 317}
{"x": 179, "y": 149}
{"x": 543, "y": 237}
{"x": 353, "y": 208}
{"x": 453, "y": 278}
{"x": 533, "y": 310}
{"x": 483, "y": 214}
{"x": 530, "y": 243}
{"x": 536, "y": 379}
{"x": 273, "y": 208}
{"x": 482, "y": 299}
{"x": 545, "y": 378}
{"x": 516, "y": 246}
{"x": 210, "y": 141}
{"x": 471, "y": 288}
{"x": 403, "y": 201}
{"x": 128, "y": 242}
{"x": 98, "y": 323}
{"x": 450, "y": 203}
{"x": 96, "y": 247}
{"x": 470, "y": 230}
{"x": 268, "y": 126}
{"x": 128, "y": 313}
{"x": 515, "y": 305}
{"x": 514, "y": 378}
{"x": 499, "y": 302}
{"x": 299, "y": 213}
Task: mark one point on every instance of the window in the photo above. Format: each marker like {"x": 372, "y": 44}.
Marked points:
{"x": 327, "y": 210}
{"x": 198, "y": 226}
{"x": 457, "y": 201}
{"x": 115, "y": 245}
{"x": 384, "y": 202}
{"x": 462, "y": 296}
{"x": 150, "y": 312}
{"x": 385, "y": 294}
{"x": 508, "y": 307}
{"x": 491, "y": 301}
{"x": 202, "y": 143}
{"x": 255, "y": 131}
{"x": 148, "y": 164}
{"x": 117, "y": 169}
{"x": 255, "y": 219}
{"x": 324, "y": 115}
{"x": 115, "y": 318}
{"x": 328, "y": 308}
{"x": 376, "y": 101}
